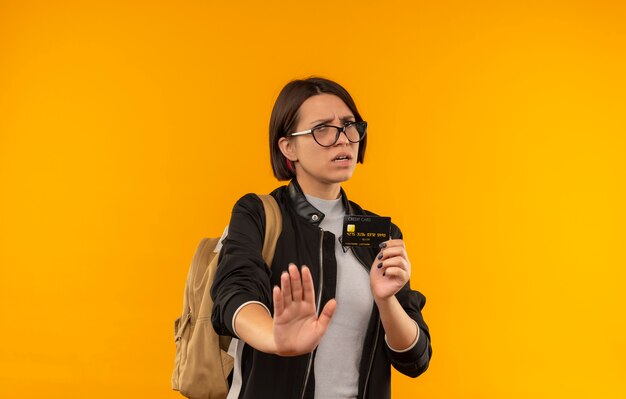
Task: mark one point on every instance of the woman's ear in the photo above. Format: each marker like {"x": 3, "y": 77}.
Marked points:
{"x": 288, "y": 148}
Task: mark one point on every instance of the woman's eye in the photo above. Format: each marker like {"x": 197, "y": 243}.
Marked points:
{"x": 322, "y": 128}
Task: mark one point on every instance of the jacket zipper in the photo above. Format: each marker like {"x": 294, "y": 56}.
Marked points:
{"x": 319, "y": 301}
{"x": 369, "y": 369}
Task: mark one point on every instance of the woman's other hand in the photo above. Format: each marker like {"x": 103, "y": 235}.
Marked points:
{"x": 390, "y": 271}
{"x": 297, "y": 329}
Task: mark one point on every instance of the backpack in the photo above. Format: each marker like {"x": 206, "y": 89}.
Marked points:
{"x": 202, "y": 364}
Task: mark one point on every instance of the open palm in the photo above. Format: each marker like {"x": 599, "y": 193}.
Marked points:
{"x": 297, "y": 328}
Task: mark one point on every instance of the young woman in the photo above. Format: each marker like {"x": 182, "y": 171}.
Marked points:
{"x": 326, "y": 321}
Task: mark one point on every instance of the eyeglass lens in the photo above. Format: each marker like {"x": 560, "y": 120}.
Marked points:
{"x": 328, "y": 135}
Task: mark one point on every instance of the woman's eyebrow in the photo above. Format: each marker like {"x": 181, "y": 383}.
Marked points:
{"x": 321, "y": 121}
{"x": 347, "y": 118}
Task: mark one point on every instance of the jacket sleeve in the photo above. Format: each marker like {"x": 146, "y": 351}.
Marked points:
{"x": 415, "y": 360}
{"x": 242, "y": 275}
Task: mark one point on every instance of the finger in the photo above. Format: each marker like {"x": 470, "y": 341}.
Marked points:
{"x": 393, "y": 262}
{"x": 396, "y": 273}
{"x": 392, "y": 243}
{"x": 279, "y": 306}
{"x": 327, "y": 314}
{"x": 296, "y": 283}
{"x": 387, "y": 253}
{"x": 308, "y": 289}
{"x": 285, "y": 288}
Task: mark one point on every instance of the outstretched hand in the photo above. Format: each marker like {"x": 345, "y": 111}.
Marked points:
{"x": 297, "y": 328}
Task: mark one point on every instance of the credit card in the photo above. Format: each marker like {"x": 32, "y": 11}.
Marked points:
{"x": 365, "y": 231}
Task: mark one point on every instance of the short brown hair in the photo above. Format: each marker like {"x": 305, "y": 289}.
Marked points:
{"x": 285, "y": 117}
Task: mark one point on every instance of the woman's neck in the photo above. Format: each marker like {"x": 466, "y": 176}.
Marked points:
{"x": 320, "y": 190}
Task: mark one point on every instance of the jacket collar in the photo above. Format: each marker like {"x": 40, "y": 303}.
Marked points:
{"x": 307, "y": 211}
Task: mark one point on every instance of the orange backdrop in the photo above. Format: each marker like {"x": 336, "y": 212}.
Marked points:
{"x": 497, "y": 142}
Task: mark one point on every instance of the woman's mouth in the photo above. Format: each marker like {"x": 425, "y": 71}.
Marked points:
{"x": 342, "y": 158}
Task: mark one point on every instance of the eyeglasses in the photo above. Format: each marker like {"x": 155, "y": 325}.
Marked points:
{"x": 327, "y": 135}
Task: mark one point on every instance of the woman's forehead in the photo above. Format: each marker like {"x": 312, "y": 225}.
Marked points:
{"x": 324, "y": 107}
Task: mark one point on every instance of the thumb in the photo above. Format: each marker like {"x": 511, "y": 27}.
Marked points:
{"x": 327, "y": 314}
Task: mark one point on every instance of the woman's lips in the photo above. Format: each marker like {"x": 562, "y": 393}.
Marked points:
{"x": 342, "y": 160}
{"x": 342, "y": 157}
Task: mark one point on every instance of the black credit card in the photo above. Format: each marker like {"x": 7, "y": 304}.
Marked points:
{"x": 364, "y": 230}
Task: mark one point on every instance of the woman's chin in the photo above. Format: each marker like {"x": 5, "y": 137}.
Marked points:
{"x": 342, "y": 176}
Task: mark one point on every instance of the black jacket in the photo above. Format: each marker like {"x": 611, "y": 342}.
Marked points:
{"x": 242, "y": 276}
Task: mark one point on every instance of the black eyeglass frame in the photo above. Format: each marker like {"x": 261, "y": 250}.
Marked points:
{"x": 340, "y": 129}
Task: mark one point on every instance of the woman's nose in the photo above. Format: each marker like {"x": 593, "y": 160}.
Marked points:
{"x": 343, "y": 137}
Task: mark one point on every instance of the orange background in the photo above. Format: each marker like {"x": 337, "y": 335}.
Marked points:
{"x": 497, "y": 142}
